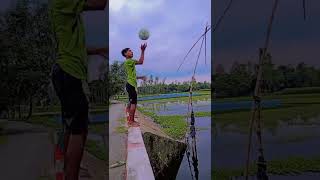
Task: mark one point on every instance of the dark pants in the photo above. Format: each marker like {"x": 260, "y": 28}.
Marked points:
{"x": 74, "y": 104}
{"x": 132, "y": 93}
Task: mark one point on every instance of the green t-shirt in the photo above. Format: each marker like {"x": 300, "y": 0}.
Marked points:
{"x": 70, "y": 36}
{"x": 130, "y": 66}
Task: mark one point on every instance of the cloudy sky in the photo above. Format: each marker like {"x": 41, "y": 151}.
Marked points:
{"x": 243, "y": 31}
{"x": 174, "y": 27}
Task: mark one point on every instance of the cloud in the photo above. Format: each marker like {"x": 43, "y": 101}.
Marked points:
{"x": 174, "y": 26}
{"x": 134, "y": 6}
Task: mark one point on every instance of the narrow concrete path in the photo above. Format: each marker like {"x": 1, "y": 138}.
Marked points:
{"x": 117, "y": 142}
{"x": 27, "y": 153}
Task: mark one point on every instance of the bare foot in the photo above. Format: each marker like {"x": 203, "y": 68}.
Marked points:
{"x": 133, "y": 124}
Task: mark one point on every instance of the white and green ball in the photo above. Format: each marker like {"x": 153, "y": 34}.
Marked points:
{"x": 144, "y": 34}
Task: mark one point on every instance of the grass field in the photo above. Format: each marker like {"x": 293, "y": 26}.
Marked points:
{"x": 303, "y": 106}
{"x": 292, "y": 165}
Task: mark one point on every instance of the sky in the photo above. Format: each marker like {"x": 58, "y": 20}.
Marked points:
{"x": 173, "y": 25}
{"x": 242, "y": 32}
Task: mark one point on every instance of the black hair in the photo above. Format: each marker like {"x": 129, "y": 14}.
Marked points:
{"x": 124, "y": 51}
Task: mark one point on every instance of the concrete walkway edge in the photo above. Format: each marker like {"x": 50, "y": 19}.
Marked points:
{"x": 138, "y": 162}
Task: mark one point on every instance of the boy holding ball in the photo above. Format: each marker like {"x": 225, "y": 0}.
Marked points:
{"x": 131, "y": 85}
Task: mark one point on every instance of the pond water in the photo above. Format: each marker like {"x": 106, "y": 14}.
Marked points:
{"x": 164, "y": 96}
{"x": 294, "y": 138}
{"x": 177, "y": 108}
{"x": 284, "y": 141}
{"x": 202, "y": 136}
{"x": 221, "y": 106}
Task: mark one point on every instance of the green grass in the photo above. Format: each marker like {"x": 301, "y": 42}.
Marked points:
{"x": 122, "y": 120}
{"x": 98, "y": 128}
{"x": 3, "y": 139}
{"x": 121, "y": 129}
{"x": 173, "y": 125}
{"x": 203, "y": 114}
{"x": 47, "y": 121}
{"x": 291, "y": 165}
{"x": 96, "y": 149}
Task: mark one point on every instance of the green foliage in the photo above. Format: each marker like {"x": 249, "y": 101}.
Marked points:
{"x": 121, "y": 129}
{"x": 47, "y": 121}
{"x": 116, "y": 79}
{"x": 155, "y": 86}
{"x": 240, "y": 81}
{"x": 96, "y": 149}
{"x": 27, "y": 53}
{"x": 98, "y": 128}
{"x": 306, "y": 90}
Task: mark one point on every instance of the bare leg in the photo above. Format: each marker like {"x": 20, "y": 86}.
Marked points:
{"x": 66, "y": 142}
{"x": 74, "y": 155}
{"x": 128, "y": 112}
{"x": 132, "y": 112}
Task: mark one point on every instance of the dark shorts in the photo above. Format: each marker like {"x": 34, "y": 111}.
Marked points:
{"x": 132, "y": 93}
{"x": 74, "y": 103}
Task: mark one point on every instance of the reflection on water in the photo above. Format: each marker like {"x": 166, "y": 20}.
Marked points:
{"x": 288, "y": 139}
{"x": 200, "y": 153}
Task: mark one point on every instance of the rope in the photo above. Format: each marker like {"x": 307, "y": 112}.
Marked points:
{"x": 257, "y": 107}
{"x": 304, "y": 9}
{"x": 208, "y": 29}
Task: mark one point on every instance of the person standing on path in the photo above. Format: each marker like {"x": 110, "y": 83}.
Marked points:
{"x": 69, "y": 76}
{"x": 131, "y": 85}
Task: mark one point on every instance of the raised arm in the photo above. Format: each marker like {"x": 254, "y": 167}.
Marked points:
{"x": 141, "y": 59}
{"x": 93, "y": 5}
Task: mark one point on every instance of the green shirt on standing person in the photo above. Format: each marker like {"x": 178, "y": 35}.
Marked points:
{"x": 70, "y": 35}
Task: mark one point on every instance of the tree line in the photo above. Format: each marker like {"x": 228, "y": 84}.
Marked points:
{"x": 153, "y": 84}
{"x": 241, "y": 78}
{"x": 27, "y": 54}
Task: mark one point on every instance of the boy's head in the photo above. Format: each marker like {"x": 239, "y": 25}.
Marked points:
{"x": 127, "y": 53}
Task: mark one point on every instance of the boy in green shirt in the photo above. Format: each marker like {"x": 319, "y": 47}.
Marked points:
{"x": 131, "y": 85}
{"x": 69, "y": 75}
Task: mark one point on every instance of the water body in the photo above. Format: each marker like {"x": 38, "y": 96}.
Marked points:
{"x": 165, "y": 96}
{"x": 294, "y": 138}
{"x": 202, "y": 138}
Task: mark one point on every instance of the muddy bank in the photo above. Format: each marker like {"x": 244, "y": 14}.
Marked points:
{"x": 165, "y": 155}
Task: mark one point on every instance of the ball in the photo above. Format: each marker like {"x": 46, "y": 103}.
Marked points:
{"x": 144, "y": 34}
